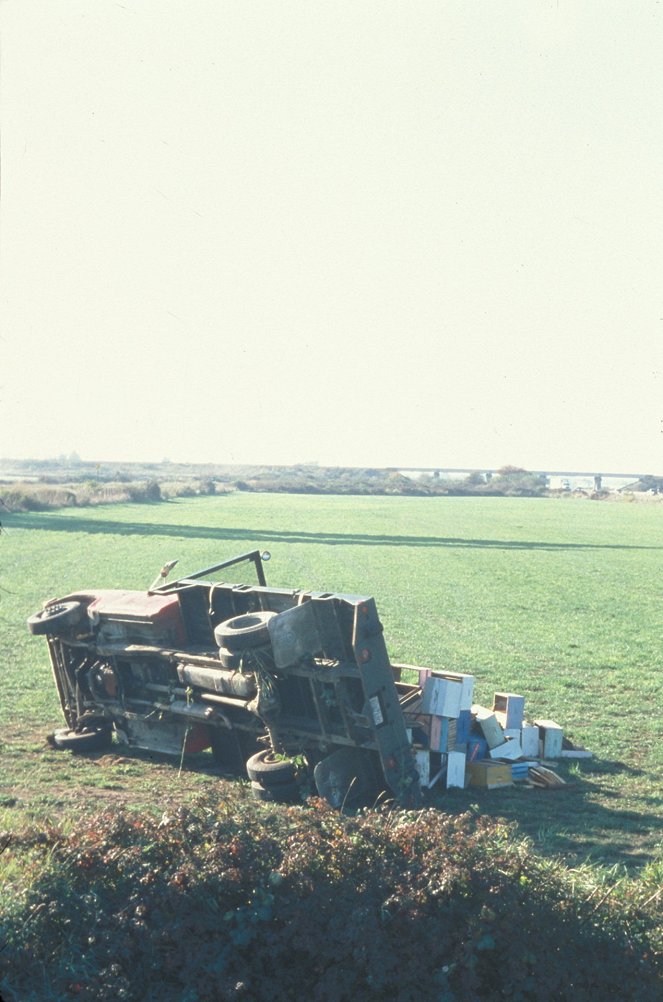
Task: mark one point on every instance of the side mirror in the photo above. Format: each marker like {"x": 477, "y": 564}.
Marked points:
{"x": 163, "y": 573}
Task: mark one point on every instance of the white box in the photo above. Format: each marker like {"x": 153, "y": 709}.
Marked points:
{"x": 529, "y": 740}
{"x": 456, "y": 770}
{"x": 441, "y": 697}
{"x": 509, "y": 707}
{"x": 467, "y": 686}
{"x": 510, "y": 749}
{"x": 490, "y": 726}
{"x": 551, "y": 738}
{"x": 422, "y": 762}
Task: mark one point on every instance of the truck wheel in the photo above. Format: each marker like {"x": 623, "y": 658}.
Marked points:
{"x": 89, "y": 739}
{"x": 285, "y": 793}
{"x": 243, "y": 632}
{"x": 269, "y": 771}
{"x": 55, "y": 619}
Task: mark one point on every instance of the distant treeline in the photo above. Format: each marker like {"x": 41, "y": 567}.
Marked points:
{"x": 34, "y": 485}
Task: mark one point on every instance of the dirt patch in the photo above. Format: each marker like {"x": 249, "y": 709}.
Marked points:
{"x": 39, "y": 781}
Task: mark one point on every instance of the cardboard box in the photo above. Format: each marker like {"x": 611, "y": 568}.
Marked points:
{"x": 489, "y": 775}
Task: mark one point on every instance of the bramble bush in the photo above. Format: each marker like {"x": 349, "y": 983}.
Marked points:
{"x": 238, "y": 900}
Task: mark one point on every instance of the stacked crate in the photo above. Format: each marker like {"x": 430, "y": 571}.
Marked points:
{"x": 445, "y": 720}
{"x": 461, "y": 743}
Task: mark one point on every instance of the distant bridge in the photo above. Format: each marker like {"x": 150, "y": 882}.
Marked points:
{"x": 494, "y": 469}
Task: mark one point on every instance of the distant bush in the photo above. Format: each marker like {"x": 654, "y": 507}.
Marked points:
{"x": 206, "y": 486}
{"x": 177, "y": 489}
{"x": 152, "y": 491}
{"x": 508, "y": 471}
{"x": 42, "y": 496}
{"x": 37, "y": 497}
{"x": 186, "y": 488}
{"x": 233, "y": 900}
{"x": 148, "y": 492}
{"x": 95, "y": 494}
{"x": 165, "y": 482}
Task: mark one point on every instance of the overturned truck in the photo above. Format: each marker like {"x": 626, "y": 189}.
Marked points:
{"x": 274, "y": 681}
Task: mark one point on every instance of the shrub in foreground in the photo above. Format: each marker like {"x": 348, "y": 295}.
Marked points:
{"x": 237, "y": 900}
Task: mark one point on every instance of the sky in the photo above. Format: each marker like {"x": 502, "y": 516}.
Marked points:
{"x": 365, "y": 233}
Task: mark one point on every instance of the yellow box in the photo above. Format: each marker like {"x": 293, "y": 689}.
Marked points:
{"x": 489, "y": 775}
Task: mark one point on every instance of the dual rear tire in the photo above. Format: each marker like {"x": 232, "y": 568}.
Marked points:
{"x": 272, "y": 778}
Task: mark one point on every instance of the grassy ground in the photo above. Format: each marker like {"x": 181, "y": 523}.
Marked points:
{"x": 559, "y": 600}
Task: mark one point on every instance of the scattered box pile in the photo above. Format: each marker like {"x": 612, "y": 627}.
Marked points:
{"x": 458, "y": 743}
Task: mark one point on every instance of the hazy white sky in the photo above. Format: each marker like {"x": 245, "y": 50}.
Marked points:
{"x": 363, "y": 233}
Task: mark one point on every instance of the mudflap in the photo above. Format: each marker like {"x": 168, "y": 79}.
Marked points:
{"x": 231, "y": 749}
{"x": 348, "y": 778}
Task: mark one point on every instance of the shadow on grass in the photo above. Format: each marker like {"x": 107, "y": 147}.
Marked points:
{"x": 568, "y": 822}
{"x": 68, "y": 523}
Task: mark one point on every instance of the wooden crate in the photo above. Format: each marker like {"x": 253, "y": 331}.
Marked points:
{"x": 477, "y": 748}
{"x": 422, "y": 762}
{"x": 529, "y": 740}
{"x": 509, "y": 709}
{"x": 510, "y": 749}
{"x": 439, "y": 734}
{"x": 489, "y": 775}
{"x": 490, "y": 726}
{"x": 441, "y": 697}
{"x": 456, "y": 770}
{"x": 463, "y": 726}
{"x": 551, "y": 735}
{"x": 466, "y": 683}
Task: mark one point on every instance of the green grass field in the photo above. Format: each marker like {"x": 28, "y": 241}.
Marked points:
{"x": 558, "y": 600}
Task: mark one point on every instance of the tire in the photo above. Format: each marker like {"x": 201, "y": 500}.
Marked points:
{"x": 55, "y": 619}
{"x": 93, "y": 739}
{"x": 244, "y": 632}
{"x": 263, "y": 768}
{"x": 286, "y": 793}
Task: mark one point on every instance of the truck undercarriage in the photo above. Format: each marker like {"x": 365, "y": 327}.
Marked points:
{"x": 262, "y": 676}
